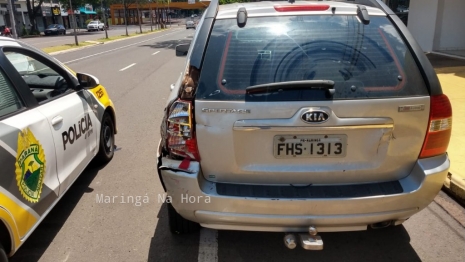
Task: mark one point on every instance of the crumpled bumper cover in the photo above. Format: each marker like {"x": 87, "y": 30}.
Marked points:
{"x": 198, "y": 200}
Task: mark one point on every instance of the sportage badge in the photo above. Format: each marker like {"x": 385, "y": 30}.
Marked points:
{"x": 316, "y": 116}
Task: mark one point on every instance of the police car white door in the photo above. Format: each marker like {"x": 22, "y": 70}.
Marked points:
{"x": 74, "y": 125}
{"x": 28, "y": 183}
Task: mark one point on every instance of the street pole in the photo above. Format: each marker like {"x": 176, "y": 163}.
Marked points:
{"x": 12, "y": 19}
{"x": 125, "y": 18}
{"x": 104, "y": 20}
{"x": 74, "y": 24}
{"x": 151, "y": 17}
{"x": 169, "y": 16}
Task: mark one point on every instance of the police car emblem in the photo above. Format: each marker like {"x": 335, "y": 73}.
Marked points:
{"x": 30, "y": 166}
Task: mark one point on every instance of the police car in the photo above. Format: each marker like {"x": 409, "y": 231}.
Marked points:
{"x": 53, "y": 122}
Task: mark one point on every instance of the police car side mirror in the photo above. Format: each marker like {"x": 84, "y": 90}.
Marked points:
{"x": 181, "y": 50}
{"x": 87, "y": 81}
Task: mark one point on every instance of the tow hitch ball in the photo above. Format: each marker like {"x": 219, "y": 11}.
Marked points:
{"x": 310, "y": 241}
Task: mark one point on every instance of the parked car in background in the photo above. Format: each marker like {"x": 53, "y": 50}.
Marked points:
{"x": 95, "y": 26}
{"x": 55, "y": 29}
{"x": 190, "y": 24}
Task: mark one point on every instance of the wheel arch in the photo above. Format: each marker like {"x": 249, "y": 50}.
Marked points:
{"x": 6, "y": 238}
{"x": 112, "y": 114}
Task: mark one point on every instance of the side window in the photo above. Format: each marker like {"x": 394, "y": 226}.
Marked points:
{"x": 9, "y": 99}
{"x": 44, "y": 82}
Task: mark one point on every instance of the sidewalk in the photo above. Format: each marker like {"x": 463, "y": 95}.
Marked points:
{"x": 451, "y": 74}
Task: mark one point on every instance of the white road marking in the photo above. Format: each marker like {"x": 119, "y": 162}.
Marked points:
{"x": 169, "y": 46}
{"x": 208, "y": 245}
{"x": 156, "y": 53}
{"x": 131, "y": 65}
{"x": 118, "y": 48}
{"x": 7, "y": 148}
{"x": 66, "y": 258}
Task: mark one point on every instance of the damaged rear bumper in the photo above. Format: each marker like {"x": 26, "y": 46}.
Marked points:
{"x": 198, "y": 200}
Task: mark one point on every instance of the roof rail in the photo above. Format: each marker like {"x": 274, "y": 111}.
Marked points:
{"x": 212, "y": 9}
{"x": 375, "y": 3}
{"x": 372, "y": 3}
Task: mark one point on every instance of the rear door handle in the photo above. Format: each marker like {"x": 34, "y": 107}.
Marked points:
{"x": 57, "y": 120}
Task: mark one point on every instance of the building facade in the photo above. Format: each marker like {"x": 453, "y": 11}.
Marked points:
{"x": 438, "y": 25}
{"x": 51, "y": 12}
{"x": 20, "y": 10}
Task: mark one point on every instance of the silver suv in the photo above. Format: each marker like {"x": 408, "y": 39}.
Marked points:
{"x": 302, "y": 117}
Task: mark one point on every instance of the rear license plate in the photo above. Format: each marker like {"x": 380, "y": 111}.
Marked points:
{"x": 302, "y": 146}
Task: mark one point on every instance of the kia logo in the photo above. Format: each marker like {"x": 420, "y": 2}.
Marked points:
{"x": 314, "y": 117}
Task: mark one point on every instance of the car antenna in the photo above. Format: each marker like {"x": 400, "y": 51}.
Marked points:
{"x": 291, "y": 1}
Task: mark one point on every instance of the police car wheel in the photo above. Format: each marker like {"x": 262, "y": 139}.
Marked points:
{"x": 3, "y": 256}
{"x": 107, "y": 139}
{"x": 178, "y": 224}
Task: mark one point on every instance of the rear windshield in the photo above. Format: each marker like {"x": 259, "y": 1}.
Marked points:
{"x": 364, "y": 61}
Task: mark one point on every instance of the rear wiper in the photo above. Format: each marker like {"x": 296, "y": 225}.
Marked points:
{"x": 292, "y": 85}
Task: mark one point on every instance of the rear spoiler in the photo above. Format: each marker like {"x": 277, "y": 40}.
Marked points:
{"x": 372, "y": 3}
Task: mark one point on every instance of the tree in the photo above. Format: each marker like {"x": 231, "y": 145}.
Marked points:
{"x": 139, "y": 2}
{"x": 33, "y": 8}
{"x": 162, "y": 12}
{"x": 126, "y": 4}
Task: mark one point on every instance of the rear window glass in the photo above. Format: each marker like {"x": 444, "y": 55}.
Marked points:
{"x": 364, "y": 61}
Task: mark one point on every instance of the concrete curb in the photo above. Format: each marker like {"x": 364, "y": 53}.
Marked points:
{"x": 99, "y": 43}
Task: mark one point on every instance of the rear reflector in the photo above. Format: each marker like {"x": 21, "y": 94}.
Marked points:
{"x": 296, "y": 8}
{"x": 439, "y": 128}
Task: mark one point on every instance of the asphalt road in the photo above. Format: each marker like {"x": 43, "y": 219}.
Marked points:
{"x": 137, "y": 74}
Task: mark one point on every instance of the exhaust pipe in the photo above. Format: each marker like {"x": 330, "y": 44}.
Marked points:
{"x": 290, "y": 241}
{"x": 381, "y": 224}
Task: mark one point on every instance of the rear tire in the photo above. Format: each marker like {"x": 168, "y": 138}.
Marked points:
{"x": 3, "y": 255}
{"x": 178, "y": 224}
{"x": 107, "y": 140}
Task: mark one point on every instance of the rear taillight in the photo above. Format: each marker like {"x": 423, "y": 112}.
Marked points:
{"x": 297, "y": 8}
{"x": 181, "y": 141}
{"x": 439, "y": 127}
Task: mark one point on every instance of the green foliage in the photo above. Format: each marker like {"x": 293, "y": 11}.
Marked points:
{"x": 223, "y": 2}
{"x": 24, "y": 31}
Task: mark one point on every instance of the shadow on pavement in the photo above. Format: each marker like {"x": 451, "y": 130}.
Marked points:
{"x": 167, "y": 247}
{"x": 447, "y": 65}
{"x": 440, "y": 61}
{"x": 171, "y": 44}
{"x": 43, "y": 235}
{"x": 389, "y": 244}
